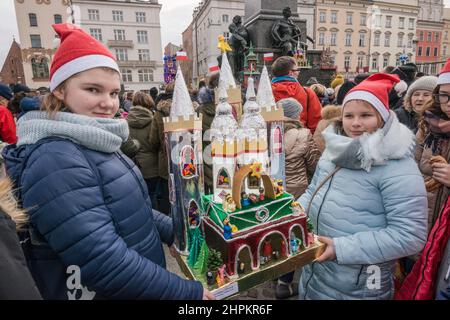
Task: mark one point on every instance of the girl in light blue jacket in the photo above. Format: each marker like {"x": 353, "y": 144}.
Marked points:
{"x": 367, "y": 200}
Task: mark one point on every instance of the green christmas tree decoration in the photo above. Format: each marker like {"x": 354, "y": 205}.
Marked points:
{"x": 309, "y": 225}
{"x": 196, "y": 242}
{"x": 214, "y": 260}
{"x": 202, "y": 261}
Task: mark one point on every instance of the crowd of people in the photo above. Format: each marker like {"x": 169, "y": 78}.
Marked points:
{"x": 85, "y": 181}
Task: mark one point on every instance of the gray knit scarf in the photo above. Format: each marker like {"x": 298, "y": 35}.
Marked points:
{"x": 105, "y": 135}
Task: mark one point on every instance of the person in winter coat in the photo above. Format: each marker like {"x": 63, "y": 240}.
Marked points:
{"x": 285, "y": 85}
{"x": 207, "y": 109}
{"x": 139, "y": 123}
{"x": 29, "y": 104}
{"x": 158, "y": 146}
{"x": 433, "y": 139}
{"x": 16, "y": 282}
{"x": 419, "y": 94}
{"x": 7, "y": 123}
{"x": 330, "y": 114}
{"x": 86, "y": 200}
{"x": 301, "y": 159}
{"x": 367, "y": 200}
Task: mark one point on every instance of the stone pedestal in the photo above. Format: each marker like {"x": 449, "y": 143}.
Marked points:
{"x": 260, "y": 15}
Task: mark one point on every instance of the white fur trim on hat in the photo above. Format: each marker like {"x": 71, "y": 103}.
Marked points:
{"x": 370, "y": 98}
{"x": 81, "y": 64}
{"x": 444, "y": 78}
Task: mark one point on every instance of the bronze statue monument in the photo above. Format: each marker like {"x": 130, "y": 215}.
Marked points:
{"x": 239, "y": 42}
{"x": 286, "y": 34}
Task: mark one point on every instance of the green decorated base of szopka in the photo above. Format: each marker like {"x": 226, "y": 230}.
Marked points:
{"x": 247, "y": 217}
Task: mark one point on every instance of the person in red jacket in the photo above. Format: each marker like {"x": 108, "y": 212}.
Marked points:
{"x": 286, "y": 85}
{"x": 7, "y": 124}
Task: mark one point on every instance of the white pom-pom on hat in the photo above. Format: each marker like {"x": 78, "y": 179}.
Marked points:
{"x": 401, "y": 87}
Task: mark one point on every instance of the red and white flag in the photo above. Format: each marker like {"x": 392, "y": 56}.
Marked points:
{"x": 181, "y": 55}
{"x": 268, "y": 56}
{"x": 213, "y": 68}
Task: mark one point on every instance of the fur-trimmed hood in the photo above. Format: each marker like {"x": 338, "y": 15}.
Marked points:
{"x": 164, "y": 106}
{"x": 331, "y": 111}
{"x": 392, "y": 142}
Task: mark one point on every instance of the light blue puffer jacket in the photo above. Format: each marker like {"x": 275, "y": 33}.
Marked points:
{"x": 374, "y": 209}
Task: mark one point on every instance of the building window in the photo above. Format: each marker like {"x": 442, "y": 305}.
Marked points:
{"x": 334, "y": 17}
{"x": 388, "y": 21}
{"x": 385, "y": 61}
{"x": 435, "y": 52}
{"x": 122, "y": 54}
{"x": 33, "y": 19}
{"x": 429, "y": 36}
{"x": 446, "y": 35}
{"x": 374, "y": 63}
{"x": 144, "y": 54}
{"x": 348, "y": 39}
{"x": 436, "y": 37}
{"x": 419, "y": 53}
{"x": 145, "y": 75}
{"x": 362, "y": 39}
{"x": 428, "y": 51}
{"x": 410, "y": 41}
{"x": 425, "y": 68}
{"x": 378, "y": 21}
{"x": 40, "y": 67}
{"x": 35, "y": 41}
{"x": 421, "y": 36}
{"x": 433, "y": 69}
{"x": 444, "y": 51}
{"x": 401, "y": 23}
{"x": 127, "y": 76}
{"x": 321, "y": 39}
{"x": 349, "y": 18}
{"x": 411, "y": 24}
{"x": 400, "y": 40}
{"x": 226, "y": 35}
{"x": 362, "y": 21}
{"x": 322, "y": 16}
{"x": 93, "y": 14}
{"x": 360, "y": 61}
{"x": 387, "y": 40}
{"x": 225, "y": 18}
{"x": 347, "y": 62}
{"x": 142, "y": 36}
{"x": 333, "y": 38}
{"x": 96, "y": 33}
{"x": 117, "y": 16}
{"x": 376, "y": 40}
{"x": 119, "y": 34}
{"x": 140, "y": 17}
{"x": 57, "y": 18}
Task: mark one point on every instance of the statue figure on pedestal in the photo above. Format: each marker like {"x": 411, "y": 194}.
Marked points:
{"x": 239, "y": 41}
{"x": 286, "y": 34}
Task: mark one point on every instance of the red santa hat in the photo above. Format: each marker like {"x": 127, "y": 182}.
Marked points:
{"x": 444, "y": 76}
{"x": 77, "y": 52}
{"x": 375, "y": 90}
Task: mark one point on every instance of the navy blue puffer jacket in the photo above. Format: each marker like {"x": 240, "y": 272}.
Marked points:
{"x": 94, "y": 211}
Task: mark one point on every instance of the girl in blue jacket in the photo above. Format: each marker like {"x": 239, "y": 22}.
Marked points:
{"x": 85, "y": 199}
{"x": 367, "y": 199}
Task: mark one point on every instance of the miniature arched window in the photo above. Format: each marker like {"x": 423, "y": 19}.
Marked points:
{"x": 277, "y": 141}
{"x": 187, "y": 162}
{"x": 40, "y": 67}
{"x": 223, "y": 179}
{"x": 253, "y": 182}
{"x": 194, "y": 214}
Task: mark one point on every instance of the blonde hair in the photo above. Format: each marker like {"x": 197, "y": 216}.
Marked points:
{"x": 8, "y": 204}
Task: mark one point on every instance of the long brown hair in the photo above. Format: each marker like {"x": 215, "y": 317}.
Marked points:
{"x": 433, "y": 107}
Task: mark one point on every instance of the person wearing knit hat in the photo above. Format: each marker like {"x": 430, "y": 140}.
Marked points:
{"x": 5, "y": 92}
{"x": 367, "y": 198}
{"x": 419, "y": 94}
{"x": 429, "y": 275}
{"x": 291, "y": 107}
{"x": 337, "y": 81}
{"x": 87, "y": 200}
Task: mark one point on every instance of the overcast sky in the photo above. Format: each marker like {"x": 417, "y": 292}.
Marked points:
{"x": 175, "y": 18}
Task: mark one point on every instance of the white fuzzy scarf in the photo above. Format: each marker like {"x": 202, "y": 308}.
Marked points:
{"x": 393, "y": 141}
